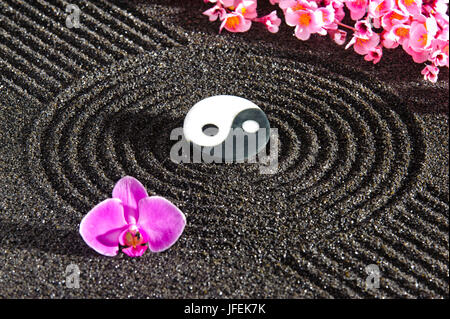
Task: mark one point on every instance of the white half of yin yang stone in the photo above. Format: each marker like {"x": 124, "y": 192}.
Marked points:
{"x": 219, "y": 110}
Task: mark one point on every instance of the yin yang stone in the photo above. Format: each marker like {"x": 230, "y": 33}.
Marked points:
{"x": 226, "y": 128}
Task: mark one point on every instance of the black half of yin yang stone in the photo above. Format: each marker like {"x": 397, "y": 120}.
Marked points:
{"x": 239, "y": 144}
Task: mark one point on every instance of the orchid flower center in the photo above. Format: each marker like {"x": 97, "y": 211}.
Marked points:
{"x": 133, "y": 237}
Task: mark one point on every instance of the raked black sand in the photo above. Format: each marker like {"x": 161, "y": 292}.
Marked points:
{"x": 363, "y": 159}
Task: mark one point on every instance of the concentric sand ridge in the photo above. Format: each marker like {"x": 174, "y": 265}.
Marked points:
{"x": 348, "y": 148}
{"x": 40, "y": 64}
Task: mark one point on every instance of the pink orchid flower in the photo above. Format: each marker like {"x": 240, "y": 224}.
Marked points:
{"x": 306, "y": 22}
{"x": 235, "y": 22}
{"x": 430, "y": 73}
{"x": 132, "y": 219}
{"x": 270, "y": 21}
{"x": 364, "y": 46}
{"x": 374, "y": 55}
{"x": 357, "y": 8}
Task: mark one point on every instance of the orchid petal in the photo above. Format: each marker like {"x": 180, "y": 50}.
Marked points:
{"x": 101, "y": 227}
{"x": 135, "y": 252}
{"x": 130, "y": 191}
{"x": 162, "y": 221}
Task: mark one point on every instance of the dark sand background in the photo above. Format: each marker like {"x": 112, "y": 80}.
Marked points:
{"x": 363, "y": 175}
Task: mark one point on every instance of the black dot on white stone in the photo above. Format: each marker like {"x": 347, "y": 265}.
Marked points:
{"x": 210, "y": 129}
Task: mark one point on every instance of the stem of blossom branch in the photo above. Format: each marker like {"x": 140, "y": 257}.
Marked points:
{"x": 345, "y": 26}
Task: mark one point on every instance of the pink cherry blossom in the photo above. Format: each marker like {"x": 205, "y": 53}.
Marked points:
{"x": 338, "y": 36}
{"x": 338, "y": 7}
{"x": 364, "y": 46}
{"x": 419, "y": 38}
{"x": 374, "y": 55}
{"x": 133, "y": 220}
{"x": 440, "y": 55}
{"x": 413, "y": 7}
{"x": 388, "y": 41}
{"x": 357, "y": 8}
{"x": 247, "y": 8}
{"x": 439, "y": 58}
{"x": 305, "y": 22}
{"x": 430, "y": 73}
{"x": 215, "y": 12}
{"x": 393, "y": 17}
{"x": 399, "y": 33}
{"x": 378, "y": 8}
{"x": 419, "y": 27}
{"x": 327, "y": 17}
{"x": 418, "y": 56}
{"x": 270, "y": 21}
{"x": 296, "y": 5}
{"x": 363, "y": 29}
{"x": 235, "y": 22}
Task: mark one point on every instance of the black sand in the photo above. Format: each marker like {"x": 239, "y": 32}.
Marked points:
{"x": 363, "y": 174}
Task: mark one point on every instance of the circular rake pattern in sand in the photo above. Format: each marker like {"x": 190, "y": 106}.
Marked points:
{"x": 347, "y": 147}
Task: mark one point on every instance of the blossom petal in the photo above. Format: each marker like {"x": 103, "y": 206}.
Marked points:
{"x": 130, "y": 191}
{"x": 101, "y": 227}
{"x": 235, "y": 22}
{"x": 162, "y": 221}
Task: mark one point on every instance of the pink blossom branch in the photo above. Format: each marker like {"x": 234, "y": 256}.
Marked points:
{"x": 421, "y": 27}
